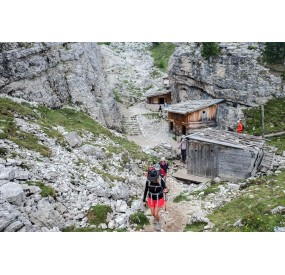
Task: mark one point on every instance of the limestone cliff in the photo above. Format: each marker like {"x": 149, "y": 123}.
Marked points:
{"x": 55, "y": 74}
{"x": 235, "y": 75}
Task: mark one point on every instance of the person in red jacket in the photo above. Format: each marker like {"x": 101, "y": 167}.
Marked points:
{"x": 239, "y": 126}
{"x": 156, "y": 166}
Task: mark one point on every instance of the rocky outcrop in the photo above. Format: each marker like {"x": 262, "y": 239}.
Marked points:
{"x": 55, "y": 74}
{"x": 235, "y": 75}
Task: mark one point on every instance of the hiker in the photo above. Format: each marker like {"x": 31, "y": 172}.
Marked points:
{"x": 164, "y": 166}
{"x": 239, "y": 126}
{"x": 183, "y": 146}
{"x": 160, "y": 109}
{"x": 155, "y": 188}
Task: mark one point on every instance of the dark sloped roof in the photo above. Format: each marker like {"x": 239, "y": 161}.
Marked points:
{"x": 190, "y": 106}
{"x": 227, "y": 138}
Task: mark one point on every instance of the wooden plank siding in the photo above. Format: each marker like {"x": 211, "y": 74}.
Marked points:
{"x": 212, "y": 160}
{"x": 195, "y": 120}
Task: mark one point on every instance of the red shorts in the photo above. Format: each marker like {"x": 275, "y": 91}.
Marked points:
{"x": 155, "y": 203}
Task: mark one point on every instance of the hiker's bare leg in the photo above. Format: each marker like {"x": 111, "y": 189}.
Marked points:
{"x": 156, "y": 209}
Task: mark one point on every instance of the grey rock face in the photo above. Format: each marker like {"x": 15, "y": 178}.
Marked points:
{"x": 46, "y": 215}
{"x": 234, "y": 75}
{"x": 55, "y": 73}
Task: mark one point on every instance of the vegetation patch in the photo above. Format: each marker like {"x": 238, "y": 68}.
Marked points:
{"x": 3, "y": 152}
{"x": 253, "y": 207}
{"x": 195, "y": 227}
{"x": 274, "y": 118}
{"x": 72, "y": 228}
{"x": 118, "y": 97}
{"x": 46, "y": 190}
{"x": 104, "y": 43}
{"x": 8, "y": 109}
{"x": 161, "y": 53}
{"x": 140, "y": 219}
{"x": 278, "y": 142}
{"x": 181, "y": 197}
{"x": 98, "y": 214}
{"x": 210, "y": 49}
{"x": 106, "y": 175}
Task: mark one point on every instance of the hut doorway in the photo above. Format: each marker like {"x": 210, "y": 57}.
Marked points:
{"x": 183, "y": 130}
{"x": 203, "y": 158}
{"x": 171, "y": 126}
{"x": 161, "y": 100}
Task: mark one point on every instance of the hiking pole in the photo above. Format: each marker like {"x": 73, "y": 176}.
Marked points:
{"x": 165, "y": 208}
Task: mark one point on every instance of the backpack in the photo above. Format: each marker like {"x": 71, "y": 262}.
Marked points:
{"x": 153, "y": 177}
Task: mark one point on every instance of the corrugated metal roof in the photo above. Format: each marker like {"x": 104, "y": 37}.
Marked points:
{"x": 190, "y": 106}
{"x": 227, "y": 138}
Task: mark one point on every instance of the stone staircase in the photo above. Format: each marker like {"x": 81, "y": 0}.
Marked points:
{"x": 131, "y": 126}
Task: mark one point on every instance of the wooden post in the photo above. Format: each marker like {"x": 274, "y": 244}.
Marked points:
{"x": 262, "y": 117}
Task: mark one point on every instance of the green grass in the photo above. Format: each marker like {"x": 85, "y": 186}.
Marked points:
{"x": 46, "y": 190}
{"x": 278, "y": 142}
{"x": 106, "y": 175}
{"x": 195, "y": 227}
{"x": 161, "y": 53}
{"x": 3, "y": 152}
{"x": 98, "y": 214}
{"x": 72, "y": 228}
{"x": 68, "y": 118}
{"x": 118, "y": 97}
{"x": 8, "y": 109}
{"x": 274, "y": 118}
{"x": 181, "y": 197}
{"x": 140, "y": 219}
{"x": 254, "y": 212}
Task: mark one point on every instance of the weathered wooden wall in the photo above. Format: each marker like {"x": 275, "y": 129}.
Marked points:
{"x": 195, "y": 120}
{"x": 212, "y": 160}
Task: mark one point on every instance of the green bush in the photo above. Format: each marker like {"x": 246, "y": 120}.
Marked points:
{"x": 210, "y": 49}
{"x": 274, "y": 52}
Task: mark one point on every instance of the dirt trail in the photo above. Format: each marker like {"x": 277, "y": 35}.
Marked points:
{"x": 174, "y": 219}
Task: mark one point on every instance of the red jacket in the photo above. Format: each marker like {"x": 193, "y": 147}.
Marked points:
{"x": 239, "y": 127}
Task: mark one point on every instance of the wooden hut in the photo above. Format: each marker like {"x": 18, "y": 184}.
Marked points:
{"x": 158, "y": 98}
{"x": 228, "y": 155}
{"x": 188, "y": 116}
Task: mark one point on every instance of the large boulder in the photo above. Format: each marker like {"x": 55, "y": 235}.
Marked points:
{"x": 13, "y": 193}
{"x": 7, "y": 173}
{"x": 73, "y": 139}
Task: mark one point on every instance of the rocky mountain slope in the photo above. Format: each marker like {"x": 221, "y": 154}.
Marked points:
{"x": 55, "y": 74}
{"x": 58, "y": 163}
